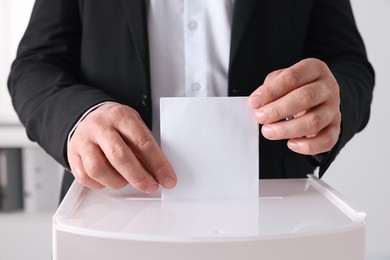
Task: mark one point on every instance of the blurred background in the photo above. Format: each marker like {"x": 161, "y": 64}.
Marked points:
{"x": 361, "y": 172}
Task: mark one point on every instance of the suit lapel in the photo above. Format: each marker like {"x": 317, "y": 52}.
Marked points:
{"x": 241, "y": 15}
{"x": 135, "y": 11}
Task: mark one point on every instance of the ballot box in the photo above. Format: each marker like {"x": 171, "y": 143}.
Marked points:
{"x": 291, "y": 219}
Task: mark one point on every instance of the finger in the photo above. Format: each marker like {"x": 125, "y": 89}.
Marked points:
{"x": 322, "y": 142}
{"x": 308, "y": 124}
{"x": 273, "y": 75}
{"x": 301, "y": 99}
{"x": 99, "y": 169}
{"x": 301, "y": 73}
{"x": 147, "y": 149}
{"x": 125, "y": 162}
{"x": 254, "y": 99}
{"x": 80, "y": 174}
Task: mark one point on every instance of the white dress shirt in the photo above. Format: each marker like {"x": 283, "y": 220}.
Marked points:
{"x": 189, "y": 43}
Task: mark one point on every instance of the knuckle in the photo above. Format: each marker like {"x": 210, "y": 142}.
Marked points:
{"x": 91, "y": 121}
{"x": 269, "y": 77}
{"x": 86, "y": 180}
{"x": 329, "y": 142}
{"x": 161, "y": 169}
{"x": 314, "y": 124}
{"x": 94, "y": 172}
{"x": 121, "y": 112}
{"x": 272, "y": 75}
{"x": 320, "y": 64}
{"x": 144, "y": 142}
{"x": 118, "y": 111}
{"x": 139, "y": 181}
{"x": 121, "y": 115}
{"x": 306, "y": 96}
{"x": 329, "y": 90}
{"x": 92, "y": 168}
{"x": 118, "y": 154}
{"x": 317, "y": 64}
{"x": 82, "y": 178}
{"x": 94, "y": 121}
{"x": 292, "y": 77}
{"x": 275, "y": 113}
{"x": 272, "y": 92}
{"x": 334, "y": 91}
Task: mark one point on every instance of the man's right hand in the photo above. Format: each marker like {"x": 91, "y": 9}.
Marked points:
{"x": 112, "y": 147}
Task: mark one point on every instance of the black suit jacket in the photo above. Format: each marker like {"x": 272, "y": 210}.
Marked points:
{"x": 77, "y": 53}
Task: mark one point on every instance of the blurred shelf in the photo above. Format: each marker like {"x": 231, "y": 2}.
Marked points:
{"x": 8, "y": 117}
{"x": 14, "y": 136}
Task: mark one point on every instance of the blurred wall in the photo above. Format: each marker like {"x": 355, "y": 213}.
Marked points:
{"x": 362, "y": 172}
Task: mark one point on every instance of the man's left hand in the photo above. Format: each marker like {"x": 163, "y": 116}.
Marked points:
{"x": 306, "y": 93}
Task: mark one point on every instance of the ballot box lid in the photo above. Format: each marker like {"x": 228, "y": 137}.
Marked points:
{"x": 285, "y": 208}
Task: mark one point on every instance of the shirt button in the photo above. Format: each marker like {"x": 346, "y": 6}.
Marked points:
{"x": 196, "y": 87}
{"x": 193, "y": 25}
{"x": 144, "y": 100}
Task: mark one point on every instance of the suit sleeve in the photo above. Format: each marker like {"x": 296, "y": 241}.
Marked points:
{"x": 44, "y": 82}
{"x": 333, "y": 37}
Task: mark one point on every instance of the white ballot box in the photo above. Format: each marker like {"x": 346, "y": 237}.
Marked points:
{"x": 291, "y": 219}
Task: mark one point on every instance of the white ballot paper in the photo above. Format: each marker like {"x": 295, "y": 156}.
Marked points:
{"x": 212, "y": 144}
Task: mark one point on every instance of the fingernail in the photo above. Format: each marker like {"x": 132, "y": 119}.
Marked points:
{"x": 267, "y": 131}
{"x": 293, "y": 145}
{"x": 255, "y": 101}
{"x": 152, "y": 188}
{"x": 168, "y": 182}
{"x": 260, "y": 117}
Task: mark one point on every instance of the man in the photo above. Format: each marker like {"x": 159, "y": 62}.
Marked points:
{"x": 88, "y": 76}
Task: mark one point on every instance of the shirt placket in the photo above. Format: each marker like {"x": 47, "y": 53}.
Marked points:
{"x": 194, "y": 45}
